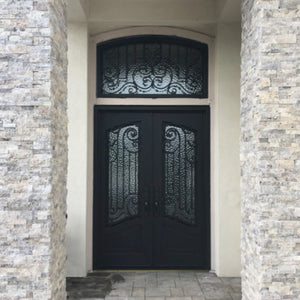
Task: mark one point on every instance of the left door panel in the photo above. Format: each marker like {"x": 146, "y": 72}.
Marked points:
{"x": 122, "y": 223}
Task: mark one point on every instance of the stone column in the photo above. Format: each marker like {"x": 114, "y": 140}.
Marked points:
{"x": 270, "y": 149}
{"x": 33, "y": 148}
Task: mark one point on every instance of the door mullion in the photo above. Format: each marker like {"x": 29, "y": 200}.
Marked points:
{"x": 152, "y": 163}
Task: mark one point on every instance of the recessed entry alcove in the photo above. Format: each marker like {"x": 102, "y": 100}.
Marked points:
{"x": 154, "y": 119}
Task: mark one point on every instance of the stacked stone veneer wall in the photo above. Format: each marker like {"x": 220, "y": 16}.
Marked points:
{"x": 270, "y": 149}
{"x": 33, "y": 148}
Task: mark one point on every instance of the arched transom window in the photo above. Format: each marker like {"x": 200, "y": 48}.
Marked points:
{"x": 152, "y": 66}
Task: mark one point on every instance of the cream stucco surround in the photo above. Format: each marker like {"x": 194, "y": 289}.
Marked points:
{"x": 224, "y": 101}
{"x": 78, "y": 146}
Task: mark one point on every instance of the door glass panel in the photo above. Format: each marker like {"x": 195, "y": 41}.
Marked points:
{"x": 179, "y": 176}
{"x": 123, "y": 152}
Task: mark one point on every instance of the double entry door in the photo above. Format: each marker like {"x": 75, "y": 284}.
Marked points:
{"x": 151, "y": 187}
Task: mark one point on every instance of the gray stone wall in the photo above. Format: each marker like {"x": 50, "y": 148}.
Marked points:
{"x": 270, "y": 149}
{"x": 33, "y": 148}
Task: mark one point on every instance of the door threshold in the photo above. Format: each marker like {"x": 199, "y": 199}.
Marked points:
{"x": 147, "y": 270}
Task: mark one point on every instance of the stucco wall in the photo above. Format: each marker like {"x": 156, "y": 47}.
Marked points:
{"x": 198, "y": 15}
{"x": 77, "y": 143}
{"x": 227, "y": 163}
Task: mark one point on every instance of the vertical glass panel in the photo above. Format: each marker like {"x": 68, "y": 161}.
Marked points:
{"x": 179, "y": 148}
{"x": 123, "y": 150}
{"x": 152, "y": 66}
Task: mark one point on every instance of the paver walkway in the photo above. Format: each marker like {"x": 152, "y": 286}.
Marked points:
{"x": 172, "y": 285}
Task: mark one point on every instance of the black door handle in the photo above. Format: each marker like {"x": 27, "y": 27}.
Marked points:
{"x": 156, "y": 201}
{"x": 147, "y": 201}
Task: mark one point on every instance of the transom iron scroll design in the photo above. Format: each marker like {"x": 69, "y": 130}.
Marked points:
{"x": 123, "y": 156}
{"x": 179, "y": 153}
{"x": 152, "y": 66}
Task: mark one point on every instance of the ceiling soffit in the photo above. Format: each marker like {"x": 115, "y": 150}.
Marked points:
{"x": 198, "y": 15}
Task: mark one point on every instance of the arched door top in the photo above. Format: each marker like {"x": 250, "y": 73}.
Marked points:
{"x": 152, "y": 66}
{"x": 134, "y": 32}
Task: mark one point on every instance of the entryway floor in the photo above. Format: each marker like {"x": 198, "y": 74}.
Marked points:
{"x": 162, "y": 285}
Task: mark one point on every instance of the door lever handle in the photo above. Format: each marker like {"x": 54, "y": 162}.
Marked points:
{"x": 147, "y": 201}
{"x": 156, "y": 208}
{"x": 156, "y": 201}
{"x": 146, "y": 208}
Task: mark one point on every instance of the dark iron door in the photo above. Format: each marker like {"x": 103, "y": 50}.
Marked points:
{"x": 151, "y": 187}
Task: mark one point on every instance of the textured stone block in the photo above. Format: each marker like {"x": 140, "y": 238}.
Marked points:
{"x": 33, "y": 149}
{"x": 270, "y": 126}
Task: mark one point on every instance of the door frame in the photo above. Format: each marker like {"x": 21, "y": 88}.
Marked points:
{"x": 171, "y": 102}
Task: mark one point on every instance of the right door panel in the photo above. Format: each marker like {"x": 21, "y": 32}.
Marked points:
{"x": 181, "y": 229}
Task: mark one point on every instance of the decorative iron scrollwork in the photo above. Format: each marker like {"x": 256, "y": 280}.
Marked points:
{"x": 153, "y": 67}
{"x": 179, "y": 149}
{"x": 123, "y": 151}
